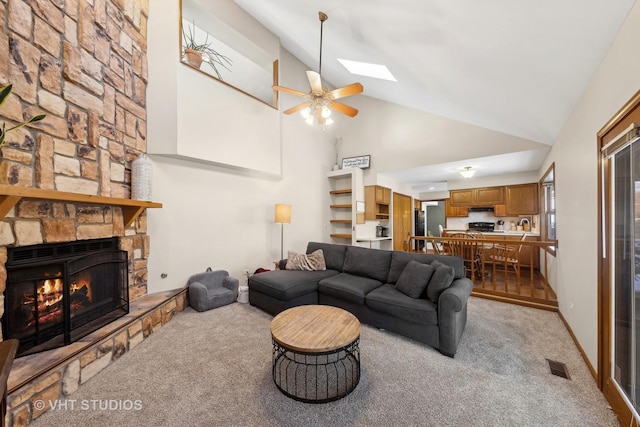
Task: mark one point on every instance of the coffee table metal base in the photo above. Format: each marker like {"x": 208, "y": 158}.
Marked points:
{"x": 316, "y": 377}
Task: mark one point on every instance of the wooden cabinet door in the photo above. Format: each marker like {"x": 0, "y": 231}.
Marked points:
{"x": 522, "y": 199}
{"x": 489, "y": 196}
{"x": 383, "y": 195}
{"x": 369, "y": 203}
{"x": 500, "y": 210}
{"x": 402, "y": 216}
{"x": 461, "y": 197}
{"x": 454, "y": 211}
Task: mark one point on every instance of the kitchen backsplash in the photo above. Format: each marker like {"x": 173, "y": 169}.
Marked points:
{"x": 463, "y": 223}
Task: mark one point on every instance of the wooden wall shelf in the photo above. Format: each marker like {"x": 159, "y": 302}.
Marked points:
{"x": 341, "y": 236}
{"x": 131, "y": 209}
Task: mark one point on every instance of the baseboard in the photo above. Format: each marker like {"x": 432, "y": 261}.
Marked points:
{"x": 580, "y": 349}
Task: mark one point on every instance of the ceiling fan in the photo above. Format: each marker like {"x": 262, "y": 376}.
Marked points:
{"x": 321, "y": 101}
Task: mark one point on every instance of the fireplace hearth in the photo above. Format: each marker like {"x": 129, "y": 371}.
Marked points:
{"x": 58, "y": 293}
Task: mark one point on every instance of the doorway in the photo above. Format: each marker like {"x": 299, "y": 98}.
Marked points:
{"x": 435, "y": 216}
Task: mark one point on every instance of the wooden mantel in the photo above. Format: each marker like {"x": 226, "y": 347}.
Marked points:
{"x": 131, "y": 209}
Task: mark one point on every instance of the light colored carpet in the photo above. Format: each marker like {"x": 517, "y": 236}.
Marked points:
{"x": 214, "y": 369}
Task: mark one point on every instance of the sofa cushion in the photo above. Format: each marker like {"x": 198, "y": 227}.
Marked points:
{"x": 414, "y": 279}
{"x": 348, "y": 287}
{"x": 371, "y": 263}
{"x": 399, "y": 261}
{"x": 309, "y": 262}
{"x": 387, "y": 299}
{"x": 333, "y": 254}
{"x": 287, "y": 284}
{"x": 441, "y": 279}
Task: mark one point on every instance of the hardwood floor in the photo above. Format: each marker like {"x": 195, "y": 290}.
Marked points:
{"x": 532, "y": 291}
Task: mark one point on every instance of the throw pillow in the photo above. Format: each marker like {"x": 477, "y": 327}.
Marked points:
{"x": 307, "y": 262}
{"x": 414, "y": 279}
{"x": 440, "y": 280}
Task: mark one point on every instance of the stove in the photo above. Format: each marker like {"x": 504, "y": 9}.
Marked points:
{"x": 482, "y": 226}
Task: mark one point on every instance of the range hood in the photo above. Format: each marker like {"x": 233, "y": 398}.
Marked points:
{"x": 481, "y": 209}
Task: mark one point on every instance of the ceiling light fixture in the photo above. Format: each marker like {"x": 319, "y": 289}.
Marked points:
{"x": 320, "y": 101}
{"x": 468, "y": 172}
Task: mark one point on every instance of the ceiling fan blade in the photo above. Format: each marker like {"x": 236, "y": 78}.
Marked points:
{"x": 291, "y": 91}
{"x": 342, "y": 108}
{"x": 315, "y": 82}
{"x": 298, "y": 107}
{"x": 343, "y": 92}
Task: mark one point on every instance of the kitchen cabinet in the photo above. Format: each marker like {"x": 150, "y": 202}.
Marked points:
{"x": 376, "y": 199}
{"x": 383, "y": 195}
{"x": 487, "y": 196}
{"x": 454, "y": 211}
{"x": 521, "y": 199}
{"x": 461, "y": 197}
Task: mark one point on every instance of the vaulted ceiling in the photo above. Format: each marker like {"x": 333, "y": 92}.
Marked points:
{"x": 517, "y": 67}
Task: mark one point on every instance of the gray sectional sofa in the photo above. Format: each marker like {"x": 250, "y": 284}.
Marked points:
{"x": 363, "y": 281}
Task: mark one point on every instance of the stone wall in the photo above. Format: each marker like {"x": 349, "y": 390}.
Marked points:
{"x": 83, "y": 64}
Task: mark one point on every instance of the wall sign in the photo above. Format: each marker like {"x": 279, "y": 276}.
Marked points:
{"x": 361, "y": 162}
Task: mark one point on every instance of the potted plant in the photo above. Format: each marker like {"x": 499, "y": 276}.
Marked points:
{"x": 195, "y": 52}
{"x": 4, "y": 94}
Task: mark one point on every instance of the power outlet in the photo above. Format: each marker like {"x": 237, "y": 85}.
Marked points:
{"x": 571, "y": 305}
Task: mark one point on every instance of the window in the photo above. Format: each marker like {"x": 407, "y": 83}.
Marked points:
{"x": 548, "y": 220}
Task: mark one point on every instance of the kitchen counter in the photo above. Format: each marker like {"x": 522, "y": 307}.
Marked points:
{"x": 512, "y": 233}
{"x": 499, "y": 233}
{"x": 376, "y": 242}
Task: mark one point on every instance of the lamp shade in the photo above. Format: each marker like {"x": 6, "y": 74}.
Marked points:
{"x": 283, "y": 214}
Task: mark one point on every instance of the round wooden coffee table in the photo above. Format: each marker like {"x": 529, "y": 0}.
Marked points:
{"x": 316, "y": 357}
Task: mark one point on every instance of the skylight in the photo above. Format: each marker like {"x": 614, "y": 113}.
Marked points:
{"x": 369, "y": 70}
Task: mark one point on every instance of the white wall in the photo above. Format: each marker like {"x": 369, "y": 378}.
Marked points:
{"x": 221, "y": 217}
{"x": 575, "y": 155}
{"x": 399, "y": 138}
{"x": 194, "y": 116}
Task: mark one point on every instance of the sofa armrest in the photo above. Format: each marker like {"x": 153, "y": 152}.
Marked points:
{"x": 198, "y": 296}
{"x": 452, "y": 315}
{"x": 231, "y": 283}
{"x": 455, "y": 297}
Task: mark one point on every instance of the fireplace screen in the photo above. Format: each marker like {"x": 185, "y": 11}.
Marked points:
{"x": 54, "y": 300}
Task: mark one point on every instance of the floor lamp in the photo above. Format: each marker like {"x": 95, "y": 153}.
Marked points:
{"x": 283, "y": 216}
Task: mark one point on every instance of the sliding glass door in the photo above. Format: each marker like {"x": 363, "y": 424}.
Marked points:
{"x": 622, "y": 160}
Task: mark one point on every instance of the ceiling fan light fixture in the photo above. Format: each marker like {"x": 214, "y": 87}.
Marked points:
{"x": 309, "y": 119}
{"x": 320, "y": 102}
{"x": 468, "y": 172}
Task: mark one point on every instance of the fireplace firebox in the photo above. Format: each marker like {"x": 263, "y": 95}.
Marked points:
{"x": 58, "y": 293}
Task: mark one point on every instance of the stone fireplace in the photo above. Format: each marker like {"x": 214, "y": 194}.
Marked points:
{"x": 84, "y": 65}
{"x": 58, "y": 293}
